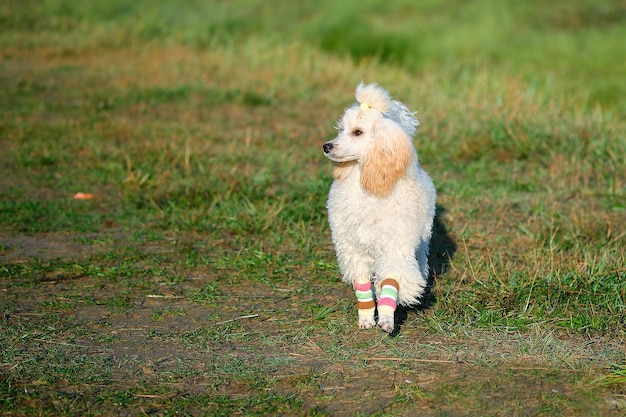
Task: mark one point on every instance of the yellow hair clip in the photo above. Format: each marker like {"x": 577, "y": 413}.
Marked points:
{"x": 364, "y": 106}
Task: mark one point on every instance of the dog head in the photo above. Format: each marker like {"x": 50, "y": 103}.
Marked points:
{"x": 376, "y": 134}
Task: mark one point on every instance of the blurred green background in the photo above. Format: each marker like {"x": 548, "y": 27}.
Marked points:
{"x": 577, "y": 44}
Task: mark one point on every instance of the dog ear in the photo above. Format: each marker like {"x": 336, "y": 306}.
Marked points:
{"x": 342, "y": 169}
{"x": 386, "y": 160}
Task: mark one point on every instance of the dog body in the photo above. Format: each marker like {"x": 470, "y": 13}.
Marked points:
{"x": 381, "y": 205}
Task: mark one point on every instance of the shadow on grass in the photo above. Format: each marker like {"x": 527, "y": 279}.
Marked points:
{"x": 442, "y": 249}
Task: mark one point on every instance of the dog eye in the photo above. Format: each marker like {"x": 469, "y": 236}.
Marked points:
{"x": 357, "y": 132}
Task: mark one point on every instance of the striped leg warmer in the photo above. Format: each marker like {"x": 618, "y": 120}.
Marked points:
{"x": 364, "y": 299}
{"x": 388, "y": 297}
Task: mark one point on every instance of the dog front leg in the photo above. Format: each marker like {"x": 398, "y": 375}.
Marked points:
{"x": 387, "y": 304}
{"x": 365, "y": 303}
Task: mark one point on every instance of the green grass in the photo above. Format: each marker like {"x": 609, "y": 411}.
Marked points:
{"x": 201, "y": 279}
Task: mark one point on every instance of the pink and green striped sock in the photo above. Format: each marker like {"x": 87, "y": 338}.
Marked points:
{"x": 364, "y": 298}
{"x": 388, "y": 297}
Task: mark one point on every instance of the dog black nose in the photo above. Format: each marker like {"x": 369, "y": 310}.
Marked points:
{"x": 327, "y": 147}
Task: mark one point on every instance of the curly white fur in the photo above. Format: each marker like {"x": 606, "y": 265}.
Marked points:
{"x": 381, "y": 205}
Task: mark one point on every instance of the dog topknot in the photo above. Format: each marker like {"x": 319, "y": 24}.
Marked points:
{"x": 373, "y": 96}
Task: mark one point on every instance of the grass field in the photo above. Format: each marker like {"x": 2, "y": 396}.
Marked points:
{"x": 201, "y": 279}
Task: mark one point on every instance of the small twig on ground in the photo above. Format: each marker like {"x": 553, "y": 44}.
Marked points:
{"x": 63, "y": 343}
{"x": 410, "y": 360}
{"x": 250, "y": 316}
{"x": 162, "y": 296}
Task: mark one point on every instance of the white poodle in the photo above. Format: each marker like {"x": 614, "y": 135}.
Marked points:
{"x": 381, "y": 205}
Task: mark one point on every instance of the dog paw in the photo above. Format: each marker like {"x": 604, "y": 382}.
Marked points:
{"x": 386, "y": 323}
{"x": 366, "y": 322}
